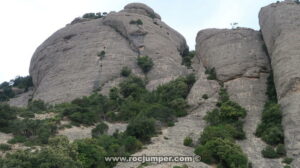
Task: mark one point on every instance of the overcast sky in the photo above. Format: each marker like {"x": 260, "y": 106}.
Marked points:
{"x": 25, "y": 24}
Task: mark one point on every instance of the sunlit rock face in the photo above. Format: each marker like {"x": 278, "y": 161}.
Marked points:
{"x": 69, "y": 63}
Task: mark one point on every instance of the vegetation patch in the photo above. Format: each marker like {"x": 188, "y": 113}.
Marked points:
{"x": 7, "y": 88}
{"x": 187, "y": 57}
{"x": 211, "y": 72}
{"x": 145, "y": 63}
{"x": 270, "y": 129}
{"x": 217, "y": 144}
{"x": 125, "y": 72}
{"x": 145, "y": 111}
{"x": 136, "y": 22}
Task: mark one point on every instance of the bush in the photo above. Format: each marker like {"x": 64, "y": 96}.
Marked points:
{"x": 22, "y": 82}
{"x": 132, "y": 86}
{"x": 132, "y": 144}
{"x": 270, "y": 129}
{"x": 160, "y": 112}
{"x": 8, "y": 114}
{"x": 222, "y": 151}
{"x": 145, "y": 63}
{"x": 136, "y": 22}
{"x": 142, "y": 128}
{"x": 125, "y": 71}
{"x": 280, "y": 150}
{"x": 287, "y": 160}
{"x": 27, "y": 114}
{"x": 211, "y": 74}
{"x": 17, "y": 139}
{"x": 269, "y": 152}
{"x": 101, "y": 54}
{"x": 5, "y": 147}
{"x": 34, "y": 131}
{"x": 90, "y": 154}
{"x": 188, "y": 141}
{"x": 205, "y": 96}
{"x": 37, "y": 106}
{"x": 100, "y": 129}
{"x": 221, "y": 131}
{"x": 92, "y": 15}
{"x": 187, "y": 57}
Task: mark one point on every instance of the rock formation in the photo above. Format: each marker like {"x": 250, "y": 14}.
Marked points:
{"x": 280, "y": 28}
{"x": 89, "y": 54}
{"x": 242, "y": 65}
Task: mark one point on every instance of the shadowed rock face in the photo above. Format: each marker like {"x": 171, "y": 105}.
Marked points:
{"x": 67, "y": 65}
{"x": 280, "y": 26}
{"x": 242, "y": 64}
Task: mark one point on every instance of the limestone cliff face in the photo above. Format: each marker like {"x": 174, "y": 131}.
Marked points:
{"x": 280, "y": 28}
{"x": 66, "y": 65}
{"x": 241, "y": 63}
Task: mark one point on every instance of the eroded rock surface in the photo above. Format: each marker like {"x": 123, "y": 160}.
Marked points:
{"x": 242, "y": 65}
{"x": 85, "y": 56}
{"x": 280, "y": 26}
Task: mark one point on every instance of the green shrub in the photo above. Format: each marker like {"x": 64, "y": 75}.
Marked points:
{"x": 5, "y": 147}
{"x": 220, "y": 131}
{"x": 211, "y": 74}
{"x": 188, "y": 141}
{"x": 205, "y": 96}
{"x": 100, "y": 129}
{"x": 142, "y": 128}
{"x": 34, "y": 131}
{"x": 101, "y": 54}
{"x": 125, "y": 71}
{"x": 160, "y": 112}
{"x": 280, "y": 150}
{"x": 187, "y": 57}
{"x": 37, "y": 106}
{"x": 222, "y": 151}
{"x": 8, "y": 114}
{"x": 22, "y": 82}
{"x": 131, "y": 144}
{"x": 287, "y": 166}
{"x": 17, "y": 139}
{"x": 136, "y": 22}
{"x": 90, "y": 154}
{"x": 231, "y": 111}
{"x": 132, "y": 86}
{"x": 92, "y": 15}
{"x": 287, "y": 160}
{"x": 270, "y": 129}
{"x": 269, "y": 152}
{"x": 145, "y": 63}
{"x": 27, "y": 114}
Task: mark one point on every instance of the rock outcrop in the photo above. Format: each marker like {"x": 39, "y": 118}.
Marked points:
{"x": 88, "y": 55}
{"x": 242, "y": 65}
{"x": 280, "y": 26}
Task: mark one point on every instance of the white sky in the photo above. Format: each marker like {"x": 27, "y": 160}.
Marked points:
{"x": 25, "y": 24}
